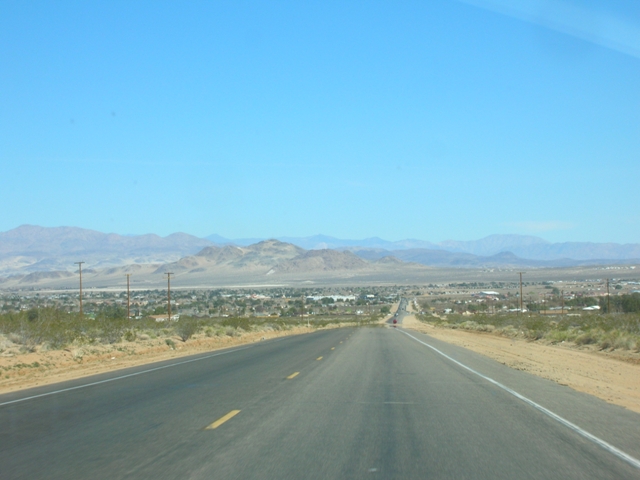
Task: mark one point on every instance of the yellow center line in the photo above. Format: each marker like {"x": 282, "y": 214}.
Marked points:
{"x": 333, "y": 348}
{"x": 221, "y": 420}
{"x": 340, "y": 342}
{"x": 319, "y": 358}
{"x": 293, "y": 375}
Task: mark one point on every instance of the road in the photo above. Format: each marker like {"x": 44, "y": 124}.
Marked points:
{"x": 342, "y": 403}
{"x": 400, "y": 312}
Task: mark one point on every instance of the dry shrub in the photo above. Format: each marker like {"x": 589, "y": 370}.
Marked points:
{"x": 587, "y": 338}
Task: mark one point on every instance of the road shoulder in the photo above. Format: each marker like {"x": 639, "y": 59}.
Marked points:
{"x": 609, "y": 379}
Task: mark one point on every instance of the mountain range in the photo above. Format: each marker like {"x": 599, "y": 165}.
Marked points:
{"x": 31, "y": 248}
{"x": 44, "y": 252}
{"x": 523, "y": 246}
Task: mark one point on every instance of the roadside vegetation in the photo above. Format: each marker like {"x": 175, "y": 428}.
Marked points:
{"x": 606, "y": 331}
{"x": 46, "y": 329}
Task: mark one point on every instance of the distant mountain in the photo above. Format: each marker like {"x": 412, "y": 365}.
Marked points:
{"x": 321, "y": 242}
{"x": 493, "y": 244}
{"x": 31, "y": 248}
{"x": 580, "y": 251}
{"x": 241, "y": 242}
{"x": 28, "y": 249}
{"x": 523, "y": 246}
{"x": 260, "y": 256}
{"x": 320, "y": 261}
{"x": 445, "y": 259}
{"x": 535, "y": 248}
{"x": 442, "y": 258}
{"x": 272, "y": 262}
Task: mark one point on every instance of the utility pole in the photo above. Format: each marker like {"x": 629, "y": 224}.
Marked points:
{"x": 608, "y": 298}
{"x": 562, "y": 296}
{"x": 302, "y": 311}
{"x": 168, "y": 274}
{"x": 521, "y": 292}
{"x": 80, "y": 270}
{"x": 128, "y": 298}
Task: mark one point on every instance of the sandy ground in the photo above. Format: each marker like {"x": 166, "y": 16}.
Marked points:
{"x": 611, "y": 378}
{"x": 22, "y": 371}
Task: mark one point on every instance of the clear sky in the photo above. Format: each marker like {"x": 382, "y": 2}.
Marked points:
{"x": 400, "y": 119}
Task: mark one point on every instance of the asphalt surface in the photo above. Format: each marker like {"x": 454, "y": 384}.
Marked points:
{"x": 343, "y": 403}
{"x": 399, "y": 314}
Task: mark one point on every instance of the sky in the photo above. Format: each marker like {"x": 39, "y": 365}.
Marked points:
{"x": 398, "y": 119}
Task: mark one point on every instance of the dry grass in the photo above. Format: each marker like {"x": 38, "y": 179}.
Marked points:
{"x": 607, "y": 332}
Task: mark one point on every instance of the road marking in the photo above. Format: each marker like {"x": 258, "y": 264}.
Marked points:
{"x": 123, "y": 376}
{"x": 319, "y": 358}
{"x": 340, "y": 342}
{"x": 333, "y": 348}
{"x": 221, "y": 420}
{"x": 598, "y": 441}
{"x": 293, "y": 375}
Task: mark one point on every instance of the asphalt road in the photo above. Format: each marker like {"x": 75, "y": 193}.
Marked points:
{"x": 344, "y": 403}
{"x": 400, "y": 313}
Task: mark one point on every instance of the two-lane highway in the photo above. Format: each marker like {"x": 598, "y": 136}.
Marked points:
{"x": 400, "y": 313}
{"x": 343, "y": 403}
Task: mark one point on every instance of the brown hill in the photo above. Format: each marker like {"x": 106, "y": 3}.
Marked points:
{"x": 321, "y": 261}
{"x": 260, "y": 256}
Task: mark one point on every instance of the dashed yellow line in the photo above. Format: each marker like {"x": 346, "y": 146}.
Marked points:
{"x": 319, "y": 358}
{"x": 221, "y": 420}
{"x": 293, "y": 375}
{"x": 333, "y": 348}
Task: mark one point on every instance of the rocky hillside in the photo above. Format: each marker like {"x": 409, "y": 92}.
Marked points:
{"x": 314, "y": 261}
{"x": 261, "y": 256}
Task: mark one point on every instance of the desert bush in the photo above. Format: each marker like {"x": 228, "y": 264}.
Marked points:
{"x": 618, "y": 331}
{"x": 586, "y": 338}
{"x": 130, "y": 335}
{"x": 186, "y": 328}
{"x": 235, "y": 322}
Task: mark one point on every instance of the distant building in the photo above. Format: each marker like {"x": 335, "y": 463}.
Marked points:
{"x": 163, "y": 318}
{"x": 489, "y": 293}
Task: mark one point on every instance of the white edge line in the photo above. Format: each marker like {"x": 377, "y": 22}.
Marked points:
{"x": 598, "y": 441}
{"x": 122, "y": 376}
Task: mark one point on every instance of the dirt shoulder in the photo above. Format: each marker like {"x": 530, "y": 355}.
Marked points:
{"x": 28, "y": 370}
{"x": 613, "y": 379}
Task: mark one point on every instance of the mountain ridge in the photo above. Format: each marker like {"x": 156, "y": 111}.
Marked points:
{"x": 524, "y": 246}
{"x": 29, "y": 248}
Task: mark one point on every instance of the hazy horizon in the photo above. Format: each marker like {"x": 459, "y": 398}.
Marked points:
{"x": 285, "y": 236}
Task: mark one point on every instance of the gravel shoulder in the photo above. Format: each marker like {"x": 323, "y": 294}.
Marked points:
{"x": 612, "y": 378}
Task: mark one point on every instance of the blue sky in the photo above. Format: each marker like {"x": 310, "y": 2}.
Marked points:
{"x": 432, "y": 120}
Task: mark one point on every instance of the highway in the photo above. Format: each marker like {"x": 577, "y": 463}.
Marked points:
{"x": 371, "y": 402}
{"x": 400, "y": 313}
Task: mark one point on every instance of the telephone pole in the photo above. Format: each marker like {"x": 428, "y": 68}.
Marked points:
{"x": 80, "y": 270}
{"x": 302, "y": 311}
{"x": 521, "y": 308}
{"x": 608, "y": 298}
{"x": 128, "y": 298}
{"x": 168, "y": 274}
